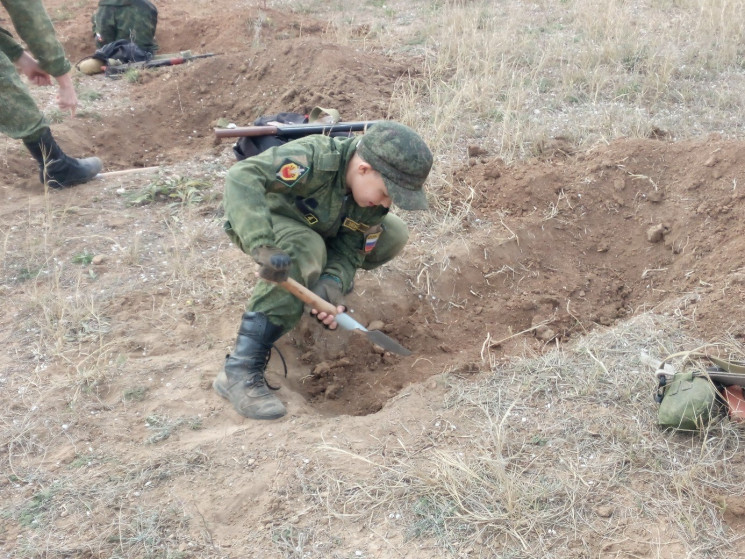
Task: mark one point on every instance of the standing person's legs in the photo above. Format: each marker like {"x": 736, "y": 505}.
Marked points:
{"x": 21, "y": 119}
{"x": 137, "y": 23}
{"x": 104, "y": 26}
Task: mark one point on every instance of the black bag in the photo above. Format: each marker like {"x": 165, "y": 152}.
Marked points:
{"x": 123, "y": 50}
{"x": 248, "y": 146}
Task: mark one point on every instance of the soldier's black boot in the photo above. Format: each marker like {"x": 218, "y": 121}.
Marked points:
{"x": 57, "y": 169}
{"x": 242, "y": 379}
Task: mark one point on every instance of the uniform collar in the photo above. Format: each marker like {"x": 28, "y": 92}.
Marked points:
{"x": 347, "y": 149}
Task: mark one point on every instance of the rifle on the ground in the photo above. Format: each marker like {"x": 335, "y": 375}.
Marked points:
{"x": 154, "y": 63}
{"x": 293, "y": 130}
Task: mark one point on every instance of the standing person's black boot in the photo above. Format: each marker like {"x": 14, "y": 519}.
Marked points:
{"x": 242, "y": 379}
{"x": 57, "y": 169}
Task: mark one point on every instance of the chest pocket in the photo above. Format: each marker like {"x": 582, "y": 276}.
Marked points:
{"x": 328, "y": 162}
{"x": 322, "y": 213}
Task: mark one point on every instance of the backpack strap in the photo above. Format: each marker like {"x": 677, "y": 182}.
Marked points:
{"x": 326, "y": 116}
{"x": 729, "y": 366}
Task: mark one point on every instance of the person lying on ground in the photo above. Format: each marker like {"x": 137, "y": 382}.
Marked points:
{"x": 125, "y": 27}
{"x": 135, "y": 20}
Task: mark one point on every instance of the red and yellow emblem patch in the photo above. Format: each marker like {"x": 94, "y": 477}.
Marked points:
{"x": 290, "y": 171}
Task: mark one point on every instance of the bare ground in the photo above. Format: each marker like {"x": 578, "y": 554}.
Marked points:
{"x": 117, "y": 315}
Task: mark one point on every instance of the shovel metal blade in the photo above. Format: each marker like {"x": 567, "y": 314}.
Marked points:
{"x": 375, "y": 336}
{"x": 342, "y": 319}
{"x": 388, "y": 344}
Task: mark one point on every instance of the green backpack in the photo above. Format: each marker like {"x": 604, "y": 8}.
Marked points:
{"x": 688, "y": 402}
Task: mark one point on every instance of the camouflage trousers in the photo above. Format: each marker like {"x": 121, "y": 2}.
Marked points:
{"x": 136, "y": 21}
{"x": 20, "y": 118}
{"x": 308, "y": 252}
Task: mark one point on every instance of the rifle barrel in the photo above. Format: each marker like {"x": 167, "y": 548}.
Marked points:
{"x": 293, "y": 130}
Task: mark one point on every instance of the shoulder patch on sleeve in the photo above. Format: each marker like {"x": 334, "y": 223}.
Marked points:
{"x": 289, "y": 172}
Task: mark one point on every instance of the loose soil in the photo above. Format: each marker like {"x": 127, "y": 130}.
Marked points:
{"x": 552, "y": 248}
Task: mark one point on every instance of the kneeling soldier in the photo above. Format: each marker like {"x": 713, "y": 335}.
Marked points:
{"x": 314, "y": 209}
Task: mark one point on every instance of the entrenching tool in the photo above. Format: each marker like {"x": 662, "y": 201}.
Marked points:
{"x": 342, "y": 319}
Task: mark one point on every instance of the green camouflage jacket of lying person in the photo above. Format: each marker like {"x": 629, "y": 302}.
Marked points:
{"x": 303, "y": 180}
{"x": 32, "y": 23}
{"x": 126, "y": 19}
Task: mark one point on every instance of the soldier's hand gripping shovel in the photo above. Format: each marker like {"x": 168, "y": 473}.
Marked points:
{"x": 342, "y": 319}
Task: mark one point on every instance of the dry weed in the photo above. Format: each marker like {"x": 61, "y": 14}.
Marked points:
{"x": 555, "y": 452}
{"x": 513, "y": 76}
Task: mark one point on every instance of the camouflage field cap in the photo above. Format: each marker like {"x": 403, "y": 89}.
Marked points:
{"x": 402, "y": 158}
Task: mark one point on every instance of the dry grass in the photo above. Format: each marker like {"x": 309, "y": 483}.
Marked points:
{"x": 513, "y": 76}
{"x": 67, "y": 351}
{"x": 512, "y": 471}
{"x": 132, "y": 531}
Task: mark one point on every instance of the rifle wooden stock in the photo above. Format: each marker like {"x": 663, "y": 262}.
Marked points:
{"x": 293, "y": 130}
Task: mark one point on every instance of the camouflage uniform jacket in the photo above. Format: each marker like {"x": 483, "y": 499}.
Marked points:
{"x": 33, "y": 25}
{"x": 304, "y": 180}
{"x": 126, "y": 19}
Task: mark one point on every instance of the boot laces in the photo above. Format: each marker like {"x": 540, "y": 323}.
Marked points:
{"x": 261, "y": 377}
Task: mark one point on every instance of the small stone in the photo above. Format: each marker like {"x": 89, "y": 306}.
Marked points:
{"x": 544, "y": 333}
{"x": 604, "y": 511}
{"x": 321, "y": 369}
{"x": 656, "y": 196}
{"x": 492, "y": 173}
{"x": 656, "y": 233}
{"x": 376, "y": 325}
{"x": 333, "y": 390}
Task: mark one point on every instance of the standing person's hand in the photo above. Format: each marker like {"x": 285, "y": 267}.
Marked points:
{"x": 29, "y": 67}
{"x": 67, "y": 99}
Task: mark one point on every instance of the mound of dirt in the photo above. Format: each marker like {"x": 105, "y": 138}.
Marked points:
{"x": 556, "y": 248}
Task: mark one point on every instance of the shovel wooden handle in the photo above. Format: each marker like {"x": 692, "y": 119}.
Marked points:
{"x": 308, "y": 297}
